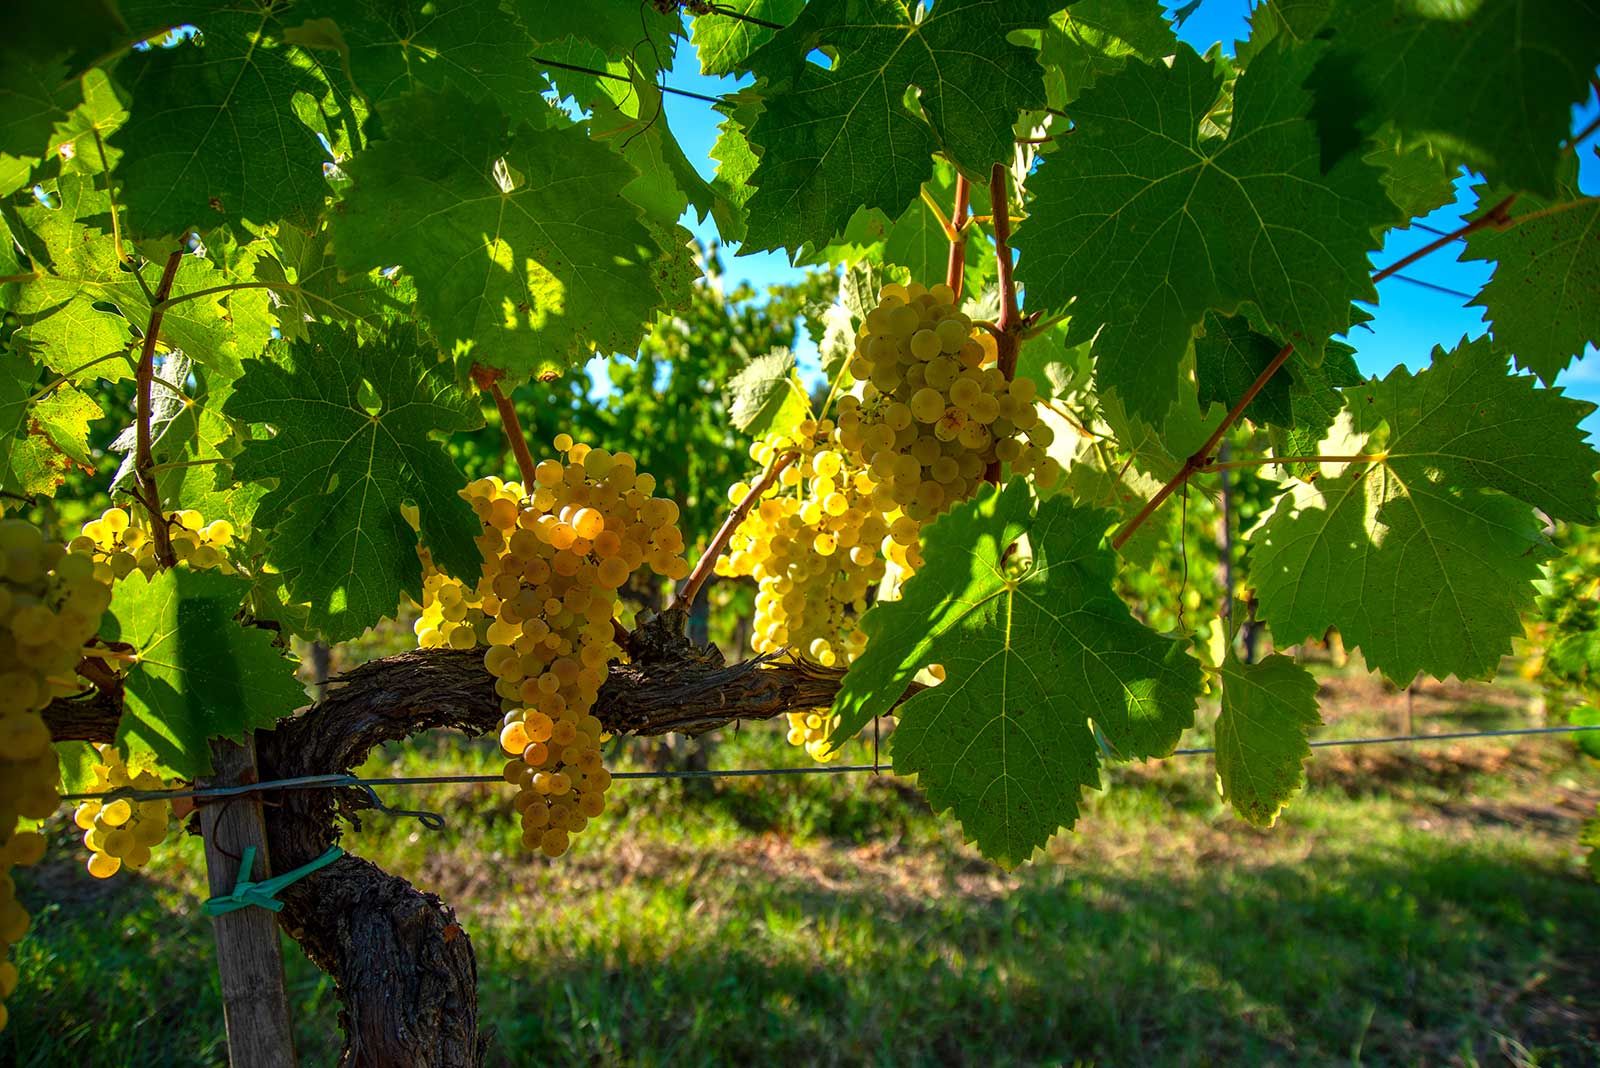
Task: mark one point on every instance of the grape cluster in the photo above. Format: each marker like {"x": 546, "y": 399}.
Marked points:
{"x": 50, "y": 604}
{"x": 120, "y": 833}
{"x": 818, "y": 544}
{"x": 554, "y": 555}
{"x": 119, "y": 543}
{"x": 934, "y": 409}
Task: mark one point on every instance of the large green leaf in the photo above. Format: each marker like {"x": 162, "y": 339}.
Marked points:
{"x": 195, "y": 441}
{"x": 1039, "y": 655}
{"x": 1426, "y": 559}
{"x": 1145, "y": 225}
{"x": 767, "y": 396}
{"x": 40, "y": 439}
{"x": 1098, "y": 37}
{"x": 723, "y": 42}
{"x": 353, "y": 443}
{"x": 80, "y": 302}
{"x": 216, "y": 131}
{"x": 1543, "y": 300}
{"x": 1485, "y": 83}
{"x": 524, "y": 250}
{"x": 1228, "y": 357}
{"x": 394, "y": 46}
{"x": 839, "y": 138}
{"x": 199, "y": 675}
{"x": 1268, "y": 708}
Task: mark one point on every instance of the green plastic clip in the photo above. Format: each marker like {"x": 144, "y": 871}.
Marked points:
{"x": 265, "y": 893}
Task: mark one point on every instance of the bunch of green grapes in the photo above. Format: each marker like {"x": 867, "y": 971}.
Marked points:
{"x": 120, "y": 833}
{"x": 118, "y": 543}
{"x": 50, "y": 604}
{"x": 818, "y": 544}
{"x": 554, "y": 556}
{"x": 934, "y": 409}
{"x": 452, "y": 615}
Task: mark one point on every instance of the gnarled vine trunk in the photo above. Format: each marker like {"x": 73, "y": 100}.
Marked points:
{"x": 404, "y": 969}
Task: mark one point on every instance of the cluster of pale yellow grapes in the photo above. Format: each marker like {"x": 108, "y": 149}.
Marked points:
{"x": 817, "y": 543}
{"x": 935, "y": 411}
{"x": 118, "y": 543}
{"x": 554, "y": 555}
{"x": 50, "y": 604}
{"x": 120, "y": 833}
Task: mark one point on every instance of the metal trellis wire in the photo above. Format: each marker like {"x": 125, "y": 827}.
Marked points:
{"x": 336, "y": 782}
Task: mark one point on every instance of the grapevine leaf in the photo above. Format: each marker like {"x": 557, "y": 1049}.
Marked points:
{"x": 1488, "y": 84}
{"x": 1543, "y": 300}
{"x": 630, "y": 118}
{"x": 190, "y": 433}
{"x": 1268, "y": 710}
{"x": 1097, "y": 37}
{"x": 1588, "y": 741}
{"x": 394, "y": 46}
{"x": 40, "y": 440}
{"x": 1036, "y": 667}
{"x": 1315, "y": 403}
{"x": 1426, "y": 558}
{"x": 199, "y": 675}
{"x": 1417, "y": 180}
{"x": 767, "y": 396}
{"x": 344, "y": 470}
{"x": 524, "y": 251}
{"x": 723, "y": 42}
{"x": 835, "y": 139}
{"x": 214, "y": 131}
{"x": 35, "y": 95}
{"x": 318, "y": 291}
{"x": 77, "y": 31}
{"x": 1229, "y": 357}
{"x": 76, "y": 761}
{"x": 638, "y": 32}
{"x": 1148, "y": 225}
{"x": 81, "y": 301}
{"x": 736, "y": 160}
{"x": 1056, "y": 368}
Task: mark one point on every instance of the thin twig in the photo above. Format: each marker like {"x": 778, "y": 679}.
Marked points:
{"x": 955, "y": 269}
{"x": 1202, "y": 456}
{"x": 1495, "y": 216}
{"x": 708, "y": 559}
{"x": 144, "y": 462}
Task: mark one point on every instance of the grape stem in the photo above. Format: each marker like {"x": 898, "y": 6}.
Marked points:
{"x": 708, "y": 559}
{"x": 960, "y": 220}
{"x": 1008, "y": 331}
{"x": 488, "y": 379}
{"x": 143, "y": 460}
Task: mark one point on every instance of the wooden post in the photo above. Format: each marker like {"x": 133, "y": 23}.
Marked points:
{"x": 255, "y": 1006}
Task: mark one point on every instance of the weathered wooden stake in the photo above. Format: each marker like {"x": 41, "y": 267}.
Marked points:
{"x": 255, "y": 1005}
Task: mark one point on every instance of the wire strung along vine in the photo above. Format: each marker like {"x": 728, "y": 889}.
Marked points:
{"x": 944, "y": 539}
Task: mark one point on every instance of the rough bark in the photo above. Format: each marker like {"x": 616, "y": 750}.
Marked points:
{"x": 405, "y": 971}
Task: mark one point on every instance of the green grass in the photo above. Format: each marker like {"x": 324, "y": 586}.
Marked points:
{"x": 1418, "y": 905}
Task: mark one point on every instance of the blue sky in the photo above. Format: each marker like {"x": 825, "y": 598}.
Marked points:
{"x": 1409, "y": 319}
